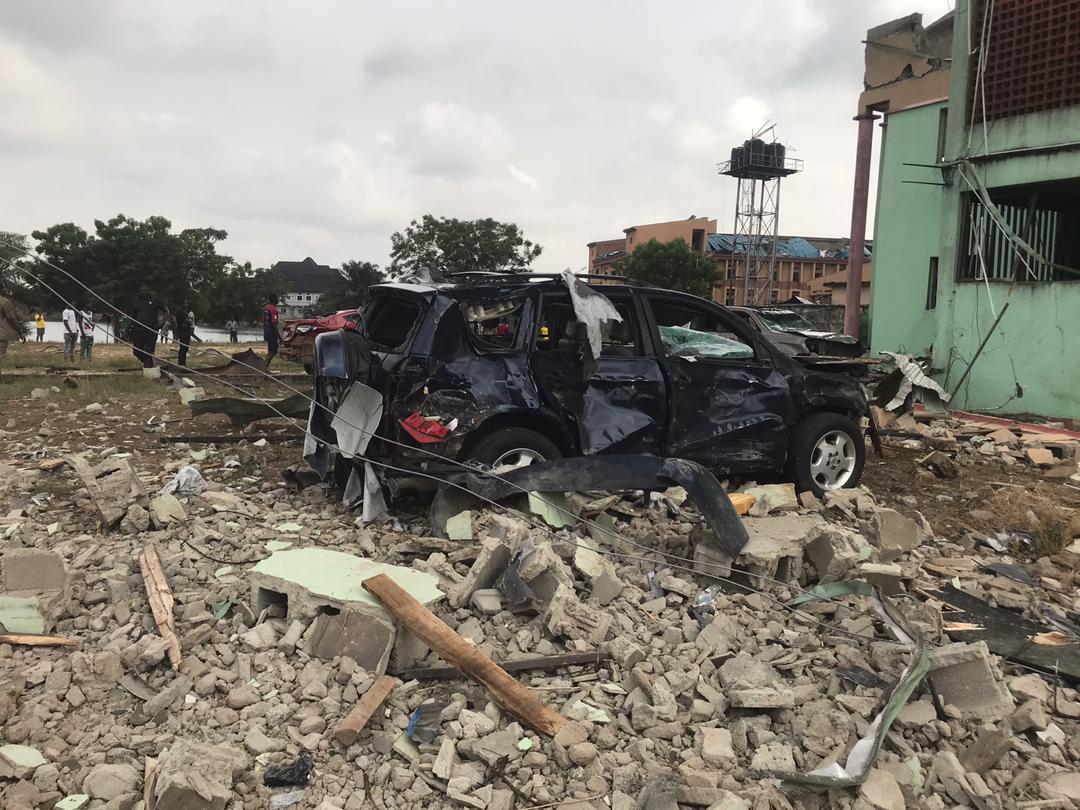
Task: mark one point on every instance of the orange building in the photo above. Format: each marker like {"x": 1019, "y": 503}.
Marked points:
{"x": 694, "y": 231}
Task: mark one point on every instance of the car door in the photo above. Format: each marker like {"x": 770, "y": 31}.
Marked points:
{"x": 728, "y": 407}
{"x": 620, "y": 404}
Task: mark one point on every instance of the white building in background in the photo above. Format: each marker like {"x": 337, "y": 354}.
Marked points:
{"x": 305, "y": 281}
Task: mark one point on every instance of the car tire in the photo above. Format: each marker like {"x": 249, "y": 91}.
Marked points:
{"x": 500, "y": 446}
{"x": 827, "y": 452}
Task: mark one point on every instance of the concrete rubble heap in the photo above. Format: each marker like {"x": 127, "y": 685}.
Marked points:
{"x": 697, "y": 702}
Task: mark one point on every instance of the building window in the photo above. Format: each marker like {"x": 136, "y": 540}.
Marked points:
{"x": 1046, "y": 216}
{"x": 697, "y": 240}
{"x": 795, "y": 276}
{"x": 775, "y": 275}
{"x": 819, "y": 270}
{"x": 774, "y": 296}
{"x": 931, "y": 284}
{"x": 729, "y": 296}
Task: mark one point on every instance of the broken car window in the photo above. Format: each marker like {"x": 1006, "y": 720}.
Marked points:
{"x": 785, "y": 320}
{"x": 560, "y": 330}
{"x": 493, "y": 326}
{"x": 691, "y": 332}
{"x": 389, "y": 321}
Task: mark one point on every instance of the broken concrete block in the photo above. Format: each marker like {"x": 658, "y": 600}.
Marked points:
{"x": 716, "y": 748}
{"x": 166, "y": 509}
{"x": 108, "y": 781}
{"x": 366, "y": 639}
{"x": 589, "y": 561}
{"x": 460, "y": 526}
{"x": 711, "y": 559}
{"x": 492, "y": 560}
{"x": 774, "y": 550}
{"x": 773, "y": 756}
{"x": 197, "y": 776}
{"x": 985, "y": 751}
{"x": 488, "y": 601}
{"x": 1002, "y": 436}
{"x": 135, "y": 520}
{"x": 881, "y": 791}
{"x": 188, "y": 395}
{"x": 772, "y": 498}
{"x": 19, "y": 761}
{"x": 752, "y": 684}
{"x": 625, "y": 652}
{"x": 1040, "y": 456}
{"x": 895, "y": 534}
{"x": 545, "y": 573}
{"x": 968, "y": 680}
{"x": 1031, "y": 716}
{"x": 32, "y": 569}
{"x": 889, "y": 578}
{"x": 308, "y": 582}
{"x": 33, "y": 612}
{"x": 606, "y": 588}
{"x": 835, "y": 551}
{"x": 568, "y": 616}
{"x": 260, "y": 637}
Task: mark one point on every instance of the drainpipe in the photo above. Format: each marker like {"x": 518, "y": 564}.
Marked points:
{"x": 859, "y": 201}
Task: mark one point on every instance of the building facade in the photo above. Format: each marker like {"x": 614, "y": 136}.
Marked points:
{"x": 977, "y": 245}
{"x": 810, "y": 268}
{"x": 306, "y": 281}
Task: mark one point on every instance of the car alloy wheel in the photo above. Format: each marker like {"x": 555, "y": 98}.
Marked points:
{"x": 832, "y": 461}
{"x": 516, "y": 459}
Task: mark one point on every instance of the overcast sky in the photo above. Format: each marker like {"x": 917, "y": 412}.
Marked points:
{"x": 319, "y": 128}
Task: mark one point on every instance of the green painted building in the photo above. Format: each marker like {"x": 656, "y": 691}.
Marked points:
{"x": 978, "y": 201}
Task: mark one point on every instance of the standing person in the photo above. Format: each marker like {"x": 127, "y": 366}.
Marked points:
{"x": 71, "y": 333}
{"x": 87, "y": 343}
{"x": 148, "y": 319}
{"x": 39, "y": 323}
{"x": 233, "y": 328}
{"x": 271, "y": 329}
{"x": 183, "y": 331}
{"x": 12, "y": 326}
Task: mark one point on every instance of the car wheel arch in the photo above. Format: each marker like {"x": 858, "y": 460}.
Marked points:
{"x": 543, "y": 423}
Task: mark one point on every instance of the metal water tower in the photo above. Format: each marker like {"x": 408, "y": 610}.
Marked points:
{"x": 758, "y": 166}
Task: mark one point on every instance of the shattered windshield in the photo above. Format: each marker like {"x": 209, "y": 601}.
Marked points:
{"x": 785, "y": 321}
{"x": 390, "y": 320}
{"x": 682, "y": 342}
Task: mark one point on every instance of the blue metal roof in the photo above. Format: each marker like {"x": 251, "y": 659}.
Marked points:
{"x": 796, "y": 247}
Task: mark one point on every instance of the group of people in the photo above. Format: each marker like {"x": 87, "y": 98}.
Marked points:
{"x": 78, "y": 330}
{"x": 149, "y": 320}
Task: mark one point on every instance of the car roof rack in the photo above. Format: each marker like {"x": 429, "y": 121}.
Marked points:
{"x": 485, "y": 275}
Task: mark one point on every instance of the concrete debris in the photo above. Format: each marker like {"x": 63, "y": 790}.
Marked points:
{"x": 706, "y": 690}
{"x": 969, "y": 682}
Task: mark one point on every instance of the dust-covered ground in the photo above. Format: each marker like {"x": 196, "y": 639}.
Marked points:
{"x": 710, "y": 691}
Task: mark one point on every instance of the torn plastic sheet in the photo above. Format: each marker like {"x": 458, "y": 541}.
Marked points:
{"x": 356, "y": 419}
{"x": 613, "y": 473}
{"x": 424, "y": 722}
{"x": 912, "y": 375}
{"x": 855, "y": 770}
{"x": 374, "y": 501}
{"x": 242, "y": 410}
{"x": 591, "y": 308}
{"x": 294, "y": 775}
{"x": 187, "y": 481}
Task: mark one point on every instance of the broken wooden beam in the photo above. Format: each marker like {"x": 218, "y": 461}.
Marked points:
{"x": 546, "y": 663}
{"x": 348, "y": 730}
{"x": 26, "y": 640}
{"x": 161, "y": 600}
{"x": 426, "y": 626}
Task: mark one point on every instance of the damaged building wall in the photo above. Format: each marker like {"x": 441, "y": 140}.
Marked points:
{"x": 1024, "y": 366}
{"x": 1036, "y": 336}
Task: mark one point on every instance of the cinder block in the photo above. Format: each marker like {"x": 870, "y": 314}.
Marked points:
{"x": 33, "y": 569}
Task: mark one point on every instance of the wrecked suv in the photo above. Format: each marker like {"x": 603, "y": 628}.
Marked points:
{"x": 507, "y": 370}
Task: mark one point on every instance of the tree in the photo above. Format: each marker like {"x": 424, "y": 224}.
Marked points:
{"x": 671, "y": 265}
{"x": 12, "y": 283}
{"x": 350, "y": 289}
{"x": 240, "y": 292}
{"x": 458, "y": 246}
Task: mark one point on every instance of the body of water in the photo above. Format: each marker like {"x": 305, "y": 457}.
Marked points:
{"x": 54, "y": 333}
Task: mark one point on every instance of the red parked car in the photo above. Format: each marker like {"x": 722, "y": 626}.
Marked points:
{"x": 298, "y": 336}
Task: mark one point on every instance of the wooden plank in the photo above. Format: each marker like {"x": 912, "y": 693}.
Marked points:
{"x": 348, "y": 730}
{"x": 150, "y": 767}
{"x": 161, "y": 600}
{"x": 51, "y": 464}
{"x": 35, "y": 641}
{"x": 545, "y": 662}
{"x": 425, "y": 625}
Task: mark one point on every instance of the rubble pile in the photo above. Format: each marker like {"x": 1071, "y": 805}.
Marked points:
{"x": 296, "y": 686}
{"x": 953, "y": 441}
